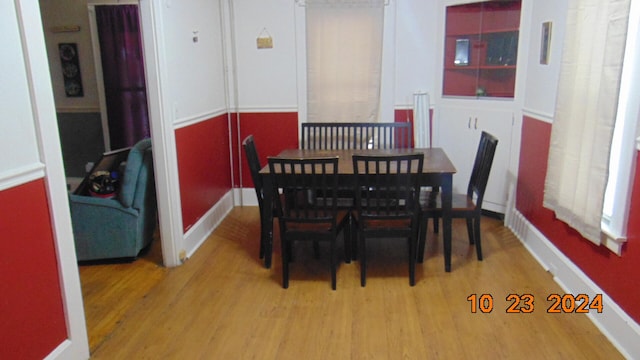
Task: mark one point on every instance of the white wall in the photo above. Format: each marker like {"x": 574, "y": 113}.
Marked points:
{"x": 267, "y": 78}
{"x": 16, "y": 124}
{"x": 194, "y": 70}
{"x": 416, "y": 49}
{"x": 541, "y": 80}
{"x": 194, "y": 94}
{"x": 62, "y": 13}
{"x": 31, "y": 150}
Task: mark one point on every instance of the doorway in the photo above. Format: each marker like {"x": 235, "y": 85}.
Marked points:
{"x": 118, "y": 55}
{"x": 108, "y": 291}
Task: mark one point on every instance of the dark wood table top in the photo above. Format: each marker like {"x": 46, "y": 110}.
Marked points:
{"x": 435, "y": 159}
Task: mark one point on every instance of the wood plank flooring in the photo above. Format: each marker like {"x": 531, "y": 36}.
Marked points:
{"x": 223, "y": 304}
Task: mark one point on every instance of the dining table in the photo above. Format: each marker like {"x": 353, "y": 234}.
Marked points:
{"x": 437, "y": 171}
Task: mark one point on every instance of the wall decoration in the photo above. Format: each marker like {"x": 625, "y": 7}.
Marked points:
{"x": 264, "y": 40}
{"x": 70, "y": 69}
{"x": 545, "y": 43}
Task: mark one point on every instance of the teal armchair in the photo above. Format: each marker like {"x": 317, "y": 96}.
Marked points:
{"x": 121, "y": 226}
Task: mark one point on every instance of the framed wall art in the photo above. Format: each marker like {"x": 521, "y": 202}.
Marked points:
{"x": 70, "y": 69}
{"x": 545, "y": 43}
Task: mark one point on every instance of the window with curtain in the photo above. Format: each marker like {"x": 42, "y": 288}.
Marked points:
{"x": 123, "y": 73}
{"x": 586, "y": 108}
{"x": 344, "y": 56}
{"x": 623, "y": 147}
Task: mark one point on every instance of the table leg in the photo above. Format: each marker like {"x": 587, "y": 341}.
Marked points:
{"x": 267, "y": 221}
{"x": 446, "y": 195}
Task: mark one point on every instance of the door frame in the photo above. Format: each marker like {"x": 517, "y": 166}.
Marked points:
{"x": 36, "y": 63}
{"x": 162, "y": 133}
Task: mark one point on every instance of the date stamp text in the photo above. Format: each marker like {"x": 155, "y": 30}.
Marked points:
{"x": 526, "y": 303}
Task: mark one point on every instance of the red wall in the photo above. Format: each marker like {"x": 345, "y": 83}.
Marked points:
{"x": 617, "y": 276}
{"x": 32, "y": 322}
{"x": 203, "y": 167}
{"x": 406, "y": 115}
{"x": 272, "y": 133}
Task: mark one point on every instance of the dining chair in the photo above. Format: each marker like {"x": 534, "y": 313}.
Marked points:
{"x": 387, "y": 191}
{"x": 254, "y": 167}
{"x": 355, "y": 135}
{"x": 467, "y": 206}
{"x": 303, "y": 217}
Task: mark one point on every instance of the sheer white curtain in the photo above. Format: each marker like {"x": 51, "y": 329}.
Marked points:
{"x": 585, "y": 113}
{"x": 344, "y": 55}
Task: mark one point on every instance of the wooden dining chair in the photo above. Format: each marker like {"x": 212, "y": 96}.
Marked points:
{"x": 309, "y": 218}
{"x": 387, "y": 191}
{"x": 355, "y": 135}
{"x": 467, "y": 206}
{"x": 254, "y": 167}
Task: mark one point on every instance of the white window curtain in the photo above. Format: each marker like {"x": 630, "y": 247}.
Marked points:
{"x": 344, "y": 56}
{"x": 585, "y": 113}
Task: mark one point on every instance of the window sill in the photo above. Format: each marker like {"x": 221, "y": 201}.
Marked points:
{"x": 612, "y": 241}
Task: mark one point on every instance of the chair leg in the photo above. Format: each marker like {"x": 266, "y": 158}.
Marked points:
{"x": 268, "y": 252}
{"x": 332, "y": 255}
{"x": 285, "y": 262}
{"x": 262, "y": 238}
{"x": 476, "y": 223}
{"x": 363, "y": 260}
{"x": 354, "y": 239}
{"x": 470, "y": 230}
{"x": 316, "y": 249}
{"x": 436, "y": 225}
{"x": 289, "y": 247}
{"x": 347, "y": 235}
{"x": 412, "y": 260}
{"x": 422, "y": 239}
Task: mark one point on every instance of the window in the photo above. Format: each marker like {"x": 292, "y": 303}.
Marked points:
{"x": 618, "y": 193}
{"x": 343, "y": 71}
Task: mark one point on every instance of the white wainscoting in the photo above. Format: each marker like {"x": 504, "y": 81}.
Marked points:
{"x": 200, "y": 231}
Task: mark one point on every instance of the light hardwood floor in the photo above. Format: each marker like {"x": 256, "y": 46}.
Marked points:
{"x": 223, "y": 304}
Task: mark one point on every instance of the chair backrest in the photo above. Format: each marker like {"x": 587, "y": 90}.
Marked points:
{"x": 387, "y": 187}
{"x": 138, "y": 186}
{"x": 331, "y": 136}
{"x": 299, "y": 179}
{"x": 482, "y": 167}
{"x": 254, "y": 167}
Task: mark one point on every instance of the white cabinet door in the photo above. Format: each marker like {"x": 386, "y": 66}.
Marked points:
{"x": 459, "y": 130}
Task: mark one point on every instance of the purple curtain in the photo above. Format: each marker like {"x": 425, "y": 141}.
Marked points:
{"x": 123, "y": 73}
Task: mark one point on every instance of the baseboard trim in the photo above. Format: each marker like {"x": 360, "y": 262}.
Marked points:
{"x": 613, "y": 322}
{"x": 245, "y": 197}
{"x": 201, "y": 230}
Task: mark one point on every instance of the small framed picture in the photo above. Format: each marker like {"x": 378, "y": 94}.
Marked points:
{"x": 462, "y": 52}
{"x": 545, "y": 43}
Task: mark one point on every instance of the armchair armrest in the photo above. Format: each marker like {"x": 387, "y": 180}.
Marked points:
{"x": 99, "y": 205}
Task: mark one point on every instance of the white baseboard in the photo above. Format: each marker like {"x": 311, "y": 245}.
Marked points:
{"x": 245, "y": 197}
{"x": 198, "y": 233}
{"x": 615, "y": 324}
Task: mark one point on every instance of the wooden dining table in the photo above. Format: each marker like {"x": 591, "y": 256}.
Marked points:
{"x": 437, "y": 171}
